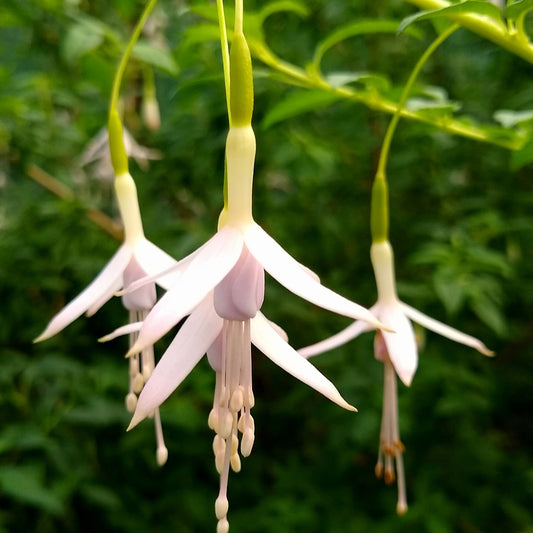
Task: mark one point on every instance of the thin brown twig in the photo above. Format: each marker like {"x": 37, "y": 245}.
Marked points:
{"x": 96, "y": 216}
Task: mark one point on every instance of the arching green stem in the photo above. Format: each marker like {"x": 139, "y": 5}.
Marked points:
{"x": 126, "y": 55}
{"x": 119, "y": 159}
{"x": 405, "y": 94}
{"x": 225, "y": 51}
{"x": 379, "y": 212}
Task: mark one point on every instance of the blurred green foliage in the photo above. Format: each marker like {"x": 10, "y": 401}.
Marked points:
{"x": 462, "y": 230}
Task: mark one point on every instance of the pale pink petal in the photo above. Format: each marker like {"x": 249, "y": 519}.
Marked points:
{"x": 444, "y": 330}
{"x": 93, "y": 293}
{"x": 202, "y": 274}
{"x": 287, "y": 271}
{"x": 344, "y": 336}
{"x": 165, "y": 276}
{"x": 279, "y": 330}
{"x": 106, "y": 296}
{"x": 192, "y": 341}
{"x": 401, "y": 345}
{"x": 133, "y": 327}
{"x": 285, "y": 356}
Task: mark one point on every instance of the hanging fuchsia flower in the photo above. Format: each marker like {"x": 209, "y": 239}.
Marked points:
{"x": 136, "y": 258}
{"x": 397, "y": 350}
{"x": 401, "y": 343}
{"x": 221, "y": 288}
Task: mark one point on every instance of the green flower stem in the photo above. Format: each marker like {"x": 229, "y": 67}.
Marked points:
{"x": 405, "y": 94}
{"x": 225, "y": 52}
{"x": 515, "y": 42}
{"x": 239, "y": 14}
{"x": 126, "y": 55}
{"x": 119, "y": 158}
{"x": 379, "y": 211}
{"x": 227, "y": 83}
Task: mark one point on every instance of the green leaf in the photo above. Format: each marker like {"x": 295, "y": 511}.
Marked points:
{"x": 450, "y": 292}
{"x": 361, "y": 27}
{"x": 297, "y": 103}
{"x": 510, "y": 118}
{"x": 23, "y": 437}
{"x": 101, "y": 496}
{"x": 489, "y": 313}
{"x": 369, "y": 80}
{"x": 208, "y": 12}
{"x": 523, "y": 156}
{"x": 430, "y": 108}
{"x": 80, "y": 39}
{"x": 200, "y": 33}
{"x": 157, "y": 57}
{"x": 470, "y": 7}
{"x": 518, "y": 8}
{"x": 283, "y": 5}
{"x": 24, "y": 484}
{"x": 8, "y": 18}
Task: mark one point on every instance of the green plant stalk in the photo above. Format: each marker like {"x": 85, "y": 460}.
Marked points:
{"x": 513, "y": 41}
{"x": 302, "y": 78}
{"x": 225, "y": 52}
{"x": 119, "y": 158}
{"x": 384, "y": 155}
{"x": 379, "y": 211}
{"x": 239, "y": 14}
{"x": 224, "y": 47}
{"x": 115, "y": 91}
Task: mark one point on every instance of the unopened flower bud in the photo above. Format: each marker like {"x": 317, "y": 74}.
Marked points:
{"x": 150, "y": 113}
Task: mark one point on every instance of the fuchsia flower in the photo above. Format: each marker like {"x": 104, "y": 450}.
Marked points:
{"x": 221, "y": 289}
{"x": 398, "y": 352}
{"x": 136, "y": 258}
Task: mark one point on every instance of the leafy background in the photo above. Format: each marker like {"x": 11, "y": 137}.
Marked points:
{"x": 461, "y": 227}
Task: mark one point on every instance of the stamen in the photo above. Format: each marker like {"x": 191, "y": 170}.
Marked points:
{"x": 131, "y": 402}
{"x": 141, "y": 368}
{"x": 162, "y": 451}
{"x": 390, "y": 460}
{"x": 231, "y": 408}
